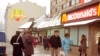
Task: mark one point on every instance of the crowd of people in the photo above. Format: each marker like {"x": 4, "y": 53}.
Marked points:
{"x": 26, "y": 43}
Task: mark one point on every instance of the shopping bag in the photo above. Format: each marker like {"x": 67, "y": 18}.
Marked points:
{"x": 62, "y": 53}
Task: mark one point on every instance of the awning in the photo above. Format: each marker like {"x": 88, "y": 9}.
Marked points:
{"x": 53, "y": 22}
{"x": 26, "y": 25}
{"x": 81, "y": 22}
{"x": 48, "y": 24}
{"x": 41, "y": 25}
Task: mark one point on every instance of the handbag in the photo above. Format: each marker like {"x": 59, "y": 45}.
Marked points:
{"x": 80, "y": 49}
{"x": 62, "y": 53}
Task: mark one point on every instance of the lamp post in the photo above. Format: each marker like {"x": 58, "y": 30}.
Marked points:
{"x": 31, "y": 27}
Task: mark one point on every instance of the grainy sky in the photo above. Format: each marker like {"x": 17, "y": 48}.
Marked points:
{"x": 4, "y": 3}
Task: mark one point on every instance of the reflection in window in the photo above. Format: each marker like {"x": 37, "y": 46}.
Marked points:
{"x": 97, "y": 37}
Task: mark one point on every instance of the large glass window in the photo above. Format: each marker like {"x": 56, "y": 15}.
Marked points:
{"x": 61, "y": 32}
{"x": 74, "y": 35}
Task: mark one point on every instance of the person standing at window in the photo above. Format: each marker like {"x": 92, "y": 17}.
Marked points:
{"x": 83, "y": 46}
{"x": 55, "y": 43}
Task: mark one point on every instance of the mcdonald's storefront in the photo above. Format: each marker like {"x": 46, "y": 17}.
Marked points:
{"x": 84, "y": 20}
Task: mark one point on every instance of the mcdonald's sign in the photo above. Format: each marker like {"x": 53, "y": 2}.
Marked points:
{"x": 89, "y": 12}
{"x": 17, "y": 14}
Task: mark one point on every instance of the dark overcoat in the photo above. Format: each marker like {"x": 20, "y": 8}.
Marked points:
{"x": 17, "y": 48}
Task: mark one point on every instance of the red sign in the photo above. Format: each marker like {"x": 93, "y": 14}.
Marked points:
{"x": 81, "y": 14}
{"x": 85, "y": 1}
{"x": 88, "y": 12}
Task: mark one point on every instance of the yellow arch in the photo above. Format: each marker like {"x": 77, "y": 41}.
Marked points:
{"x": 99, "y": 10}
{"x": 64, "y": 18}
{"x": 16, "y": 13}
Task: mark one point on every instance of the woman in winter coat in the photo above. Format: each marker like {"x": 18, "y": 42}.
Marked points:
{"x": 28, "y": 43}
{"x": 66, "y": 44}
{"x": 99, "y": 46}
{"x": 83, "y": 46}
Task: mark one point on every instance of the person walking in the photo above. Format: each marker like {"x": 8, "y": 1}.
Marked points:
{"x": 66, "y": 44}
{"x": 83, "y": 45}
{"x": 99, "y": 45}
{"x": 28, "y": 44}
{"x": 45, "y": 43}
{"x": 55, "y": 43}
{"x": 16, "y": 42}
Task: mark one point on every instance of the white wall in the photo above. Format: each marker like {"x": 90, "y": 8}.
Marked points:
{"x": 31, "y": 10}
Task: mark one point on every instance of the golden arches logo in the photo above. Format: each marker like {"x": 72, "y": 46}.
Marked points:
{"x": 64, "y": 18}
{"x": 17, "y": 14}
{"x": 99, "y": 10}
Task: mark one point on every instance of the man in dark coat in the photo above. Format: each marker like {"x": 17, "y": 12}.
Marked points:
{"x": 16, "y": 42}
{"x": 55, "y": 43}
{"x": 45, "y": 43}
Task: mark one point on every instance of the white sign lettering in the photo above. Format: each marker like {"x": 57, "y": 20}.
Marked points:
{"x": 83, "y": 14}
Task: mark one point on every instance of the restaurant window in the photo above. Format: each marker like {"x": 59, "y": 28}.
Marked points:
{"x": 66, "y": 30}
{"x": 74, "y": 35}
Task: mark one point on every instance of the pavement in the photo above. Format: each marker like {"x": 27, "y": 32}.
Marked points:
{"x": 38, "y": 51}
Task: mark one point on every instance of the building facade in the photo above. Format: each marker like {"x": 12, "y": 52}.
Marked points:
{"x": 79, "y": 17}
{"x": 19, "y": 13}
{"x": 57, "y": 6}
{"x": 84, "y": 19}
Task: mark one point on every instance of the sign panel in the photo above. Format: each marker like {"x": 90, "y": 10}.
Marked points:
{"x": 81, "y": 14}
{"x": 85, "y": 1}
{"x": 88, "y": 12}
